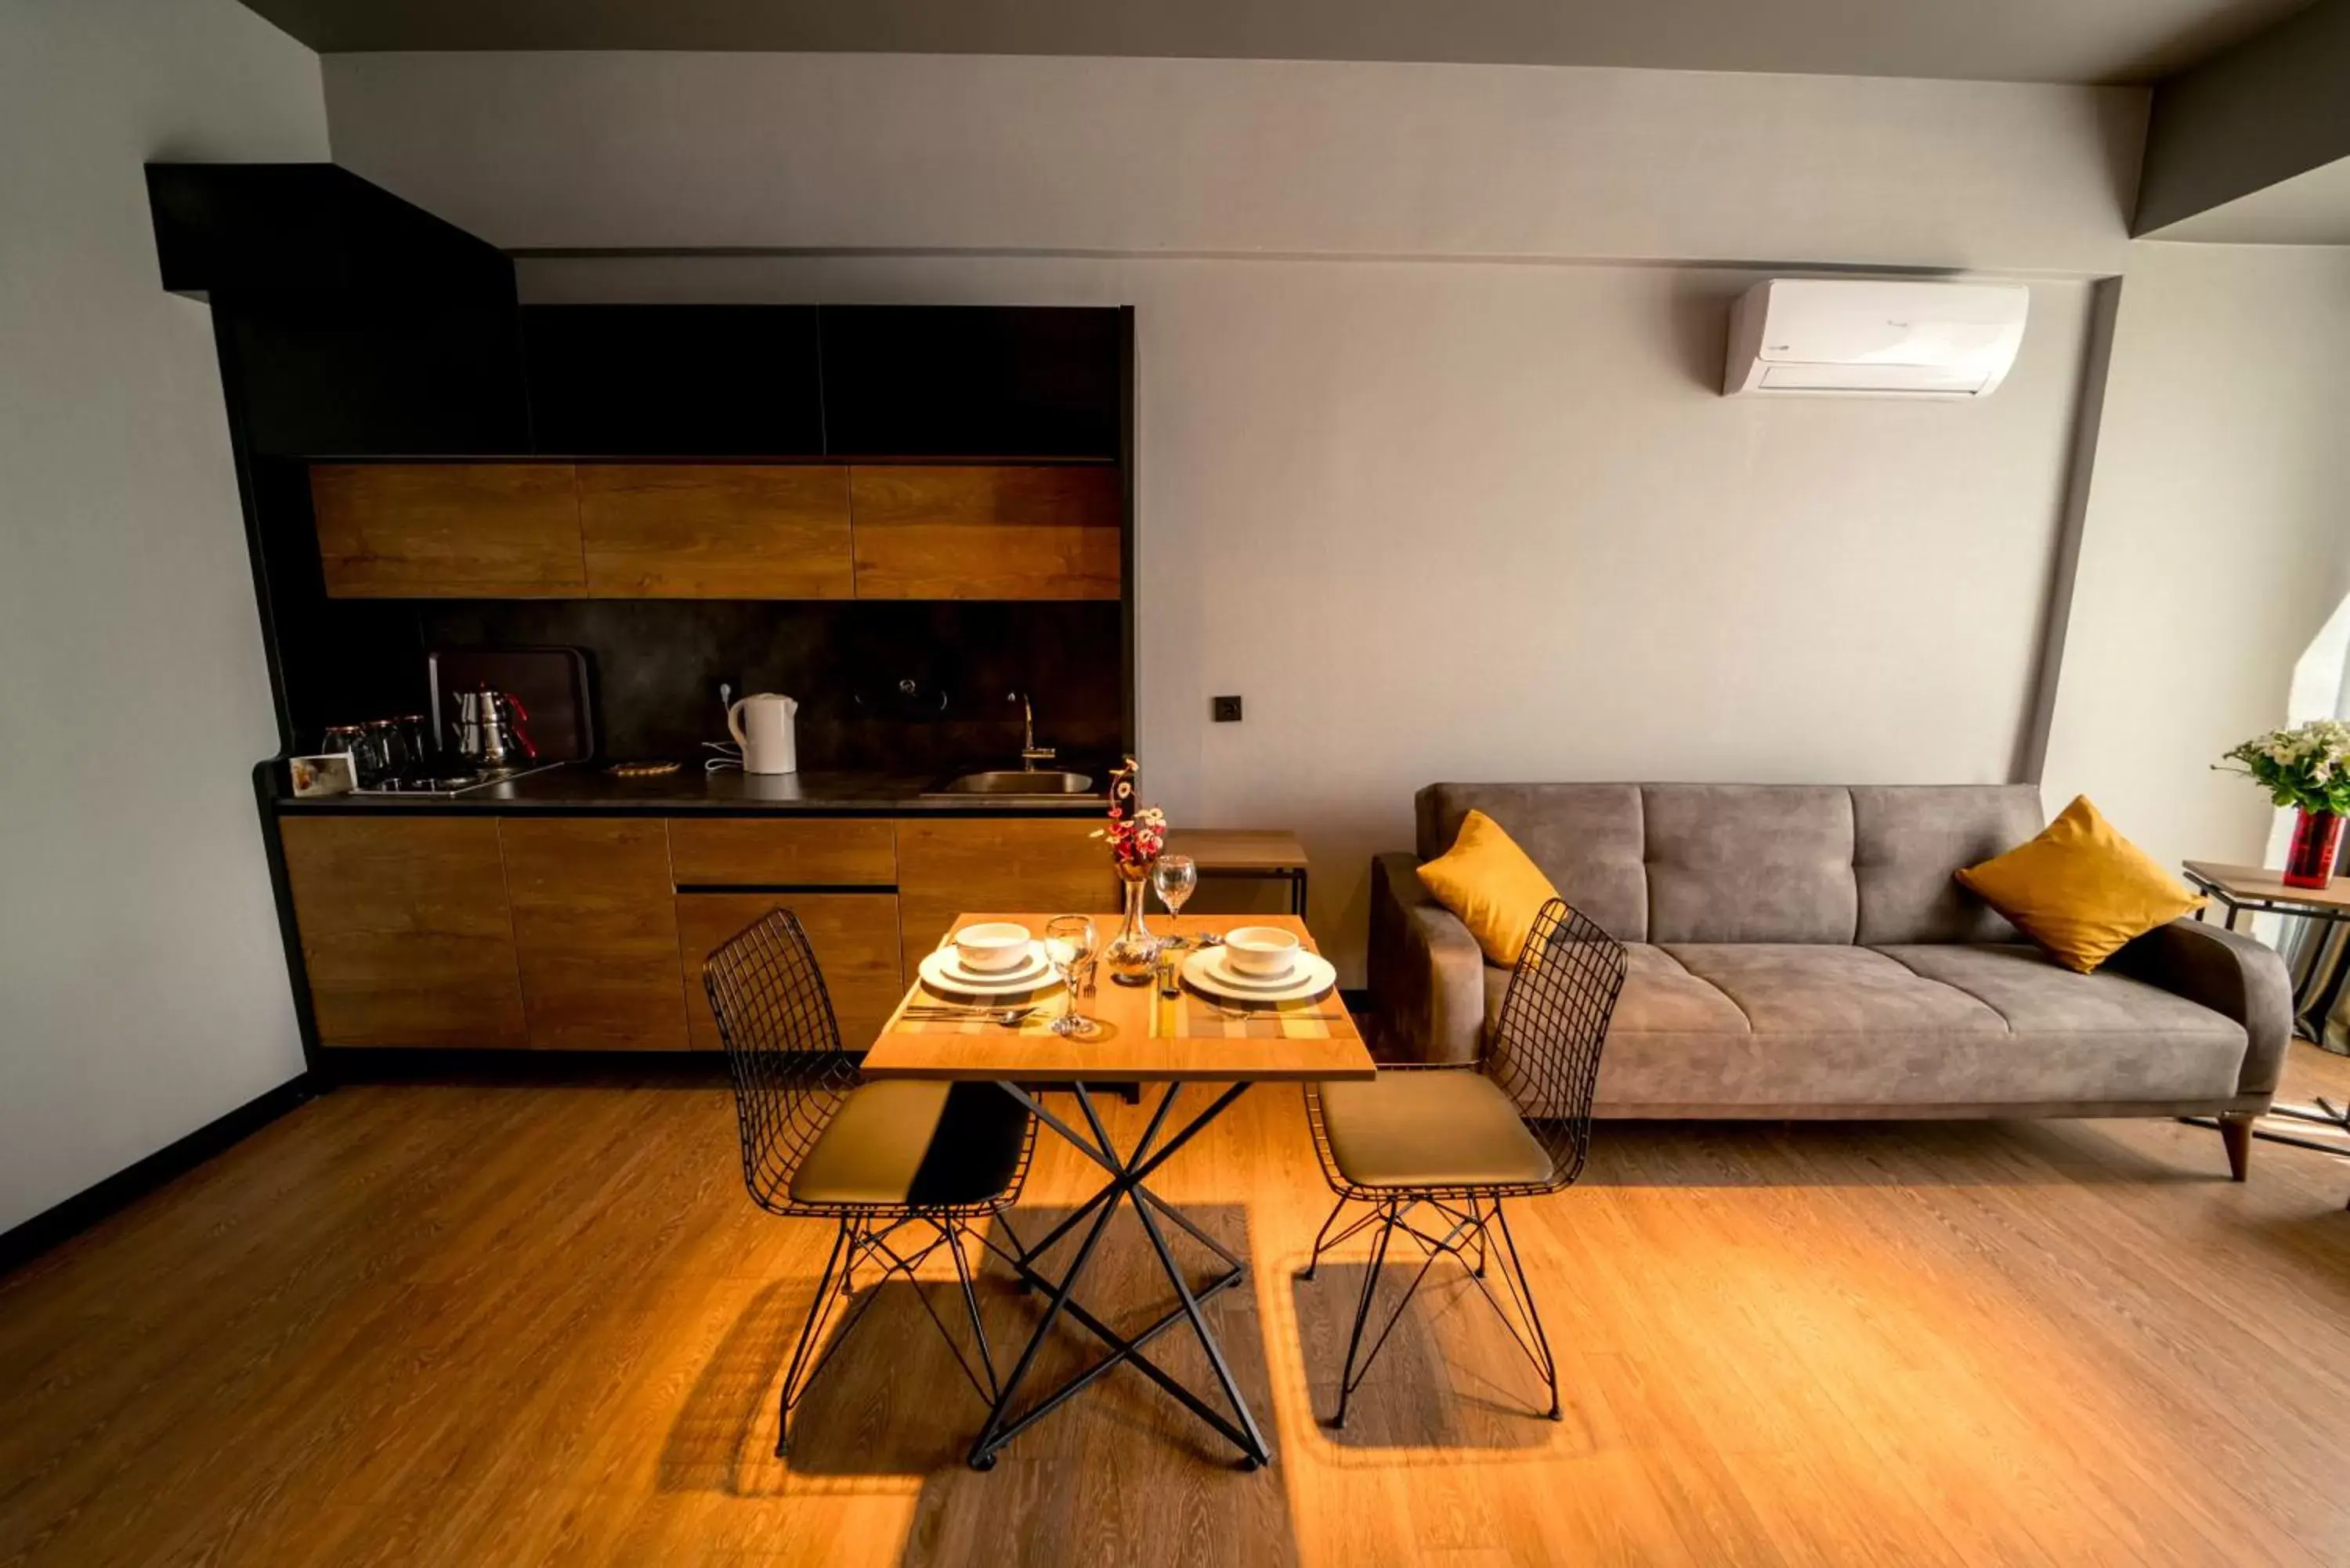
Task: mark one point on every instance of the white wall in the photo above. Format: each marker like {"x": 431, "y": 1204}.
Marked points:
{"x": 2217, "y": 539}
{"x": 142, "y": 985}
{"x": 1434, "y": 514}
{"x": 685, "y": 151}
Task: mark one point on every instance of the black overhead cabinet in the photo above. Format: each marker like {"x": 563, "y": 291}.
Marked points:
{"x": 971, "y": 381}
{"x": 665, "y": 380}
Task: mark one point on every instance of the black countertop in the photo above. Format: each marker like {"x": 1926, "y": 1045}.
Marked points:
{"x": 584, "y": 788}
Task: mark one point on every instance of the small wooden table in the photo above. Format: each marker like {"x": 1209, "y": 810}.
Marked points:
{"x": 1274, "y": 854}
{"x": 1141, "y": 1037}
{"x": 2259, "y": 891}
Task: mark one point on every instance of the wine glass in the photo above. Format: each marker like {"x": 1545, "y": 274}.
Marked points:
{"x": 1070, "y": 944}
{"x": 1175, "y": 876}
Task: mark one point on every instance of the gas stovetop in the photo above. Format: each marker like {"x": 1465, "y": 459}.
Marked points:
{"x": 447, "y": 785}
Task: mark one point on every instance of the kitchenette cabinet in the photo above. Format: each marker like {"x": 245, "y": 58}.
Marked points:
{"x": 406, "y": 932}
{"x": 587, "y": 930}
{"x": 448, "y": 530}
{"x": 595, "y": 931}
{"x": 719, "y": 531}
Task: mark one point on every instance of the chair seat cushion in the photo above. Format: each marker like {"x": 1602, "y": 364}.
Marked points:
{"x": 1440, "y": 1129}
{"x": 903, "y": 1141}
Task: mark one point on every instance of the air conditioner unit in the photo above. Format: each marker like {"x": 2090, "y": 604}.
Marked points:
{"x": 1857, "y": 337}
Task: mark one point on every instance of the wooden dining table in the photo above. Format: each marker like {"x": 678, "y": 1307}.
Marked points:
{"x": 1140, "y": 1037}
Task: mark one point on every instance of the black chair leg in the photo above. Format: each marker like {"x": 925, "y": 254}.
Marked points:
{"x": 1523, "y": 1289}
{"x": 1321, "y": 1240}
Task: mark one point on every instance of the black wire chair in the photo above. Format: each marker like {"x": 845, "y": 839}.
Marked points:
{"x": 1434, "y": 1151}
{"x": 936, "y": 1161}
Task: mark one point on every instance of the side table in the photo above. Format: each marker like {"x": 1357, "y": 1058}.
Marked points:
{"x": 2253, "y": 889}
{"x": 1270, "y": 853}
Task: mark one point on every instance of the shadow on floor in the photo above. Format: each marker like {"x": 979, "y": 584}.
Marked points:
{"x": 1448, "y": 1377}
{"x": 1121, "y": 1471}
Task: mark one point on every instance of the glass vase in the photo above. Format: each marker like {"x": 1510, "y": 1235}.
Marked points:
{"x": 2316, "y": 839}
{"x": 1132, "y": 955}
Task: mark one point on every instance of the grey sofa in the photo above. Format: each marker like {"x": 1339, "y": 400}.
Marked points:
{"x": 1800, "y": 951}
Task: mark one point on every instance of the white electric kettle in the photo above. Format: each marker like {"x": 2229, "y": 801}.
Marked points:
{"x": 761, "y": 725}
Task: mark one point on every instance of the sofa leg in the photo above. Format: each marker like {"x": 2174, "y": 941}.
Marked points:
{"x": 2236, "y": 1132}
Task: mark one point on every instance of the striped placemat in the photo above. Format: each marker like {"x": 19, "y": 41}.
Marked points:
{"x": 1188, "y": 1015}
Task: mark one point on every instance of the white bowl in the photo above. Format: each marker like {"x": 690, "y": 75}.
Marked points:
{"x": 1265, "y": 951}
{"x": 991, "y": 946}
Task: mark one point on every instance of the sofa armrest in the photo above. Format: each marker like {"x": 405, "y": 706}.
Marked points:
{"x": 2229, "y": 973}
{"x": 1427, "y": 974}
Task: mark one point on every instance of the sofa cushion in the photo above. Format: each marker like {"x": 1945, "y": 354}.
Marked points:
{"x": 1586, "y": 839}
{"x": 2080, "y": 889}
{"x": 1749, "y": 863}
{"x": 2133, "y": 1041}
{"x": 1908, "y": 840}
{"x": 1823, "y": 1030}
{"x": 1491, "y": 887}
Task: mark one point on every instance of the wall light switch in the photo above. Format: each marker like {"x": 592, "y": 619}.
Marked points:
{"x": 1225, "y": 709}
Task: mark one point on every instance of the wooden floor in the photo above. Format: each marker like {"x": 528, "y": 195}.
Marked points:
{"x": 507, "y": 1327}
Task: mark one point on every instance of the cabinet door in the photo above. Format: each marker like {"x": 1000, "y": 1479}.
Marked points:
{"x": 596, "y": 932}
{"x": 674, "y": 380}
{"x": 958, "y": 865}
{"x": 487, "y": 530}
{"x": 854, "y": 935}
{"x": 973, "y": 380}
{"x": 404, "y": 930}
{"x": 986, "y": 533}
{"x": 715, "y": 531}
{"x": 783, "y": 852}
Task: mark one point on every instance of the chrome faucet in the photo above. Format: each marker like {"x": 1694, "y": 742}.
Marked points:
{"x": 1031, "y": 754}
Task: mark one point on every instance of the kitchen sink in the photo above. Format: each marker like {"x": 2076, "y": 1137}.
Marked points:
{"x": 1015, "y": 782}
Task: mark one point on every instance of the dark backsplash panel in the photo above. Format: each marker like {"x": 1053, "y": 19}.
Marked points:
{"x": 914, "y": 686}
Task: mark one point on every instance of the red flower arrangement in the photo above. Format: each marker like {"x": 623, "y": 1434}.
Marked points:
{"x": 1137, "y": 833}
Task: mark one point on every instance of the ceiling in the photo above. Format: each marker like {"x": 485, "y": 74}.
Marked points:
{"x": 2001, "y": 40}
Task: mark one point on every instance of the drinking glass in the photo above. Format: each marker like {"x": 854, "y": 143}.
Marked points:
{"x": 1070, "y": 944}
{"x": 1175, "y": 876}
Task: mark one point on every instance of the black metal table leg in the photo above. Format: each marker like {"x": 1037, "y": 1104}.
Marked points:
{"x": 1128, "y": 1174}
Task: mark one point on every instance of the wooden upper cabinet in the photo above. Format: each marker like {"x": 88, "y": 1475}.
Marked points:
{"x": 485, "y": 530}
{"x": 1028, "y": 533}
{"x": 405, "y": 930}
{"x": 706, "y": 531}
{"x": 955, "y": 865}
{"x": 595, "y": 931}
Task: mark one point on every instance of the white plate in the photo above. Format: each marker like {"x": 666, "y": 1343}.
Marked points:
{"x": 943, "y": 971}
{"x": 1311, "y": 976}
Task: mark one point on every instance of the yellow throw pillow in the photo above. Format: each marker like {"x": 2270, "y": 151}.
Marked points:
{"x": 1487, "y": 880}
{"x": 2080, "y": 889}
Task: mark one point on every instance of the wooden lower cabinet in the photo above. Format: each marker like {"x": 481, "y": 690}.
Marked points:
{"x": 855, "y": 936}
{"x": 405, "y": 931}
{"x": 951, "y": 866}
{"x": 595, "y": 932}
{"x": 572, "y": 933}
{"x": 783, "y": 851}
